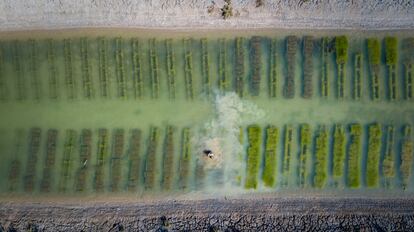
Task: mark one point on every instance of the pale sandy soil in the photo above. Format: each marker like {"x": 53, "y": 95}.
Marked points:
{"x": 190, "y": 14}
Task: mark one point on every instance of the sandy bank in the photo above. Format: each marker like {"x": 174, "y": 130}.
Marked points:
{"x": 174, "y": 14}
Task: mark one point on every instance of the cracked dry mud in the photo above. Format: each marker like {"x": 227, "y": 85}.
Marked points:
{"x": 276, "y": 214}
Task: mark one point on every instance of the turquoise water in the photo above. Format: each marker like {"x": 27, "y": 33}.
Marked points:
{"x": 207, "y": 85}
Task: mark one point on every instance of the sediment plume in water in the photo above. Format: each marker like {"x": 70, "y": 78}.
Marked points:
{"x": 225, "y": 172}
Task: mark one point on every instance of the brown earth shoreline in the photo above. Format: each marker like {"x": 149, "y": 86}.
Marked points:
{"x": 266, "y": 214}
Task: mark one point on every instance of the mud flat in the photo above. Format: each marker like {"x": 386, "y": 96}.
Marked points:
{"x": 261, "y": 214}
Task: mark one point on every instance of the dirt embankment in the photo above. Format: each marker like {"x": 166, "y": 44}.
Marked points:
{"x": 174, "y": 14}
{"x": 276, "y": 214}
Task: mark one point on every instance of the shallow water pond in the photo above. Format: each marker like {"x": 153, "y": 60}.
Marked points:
{"x": 134, "y": 112}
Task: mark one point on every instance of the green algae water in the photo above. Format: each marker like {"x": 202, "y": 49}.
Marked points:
{"x": 133, "y": 113}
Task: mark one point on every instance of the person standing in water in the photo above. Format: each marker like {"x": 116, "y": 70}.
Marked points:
{"x": 208, "y": 153}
